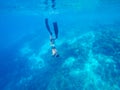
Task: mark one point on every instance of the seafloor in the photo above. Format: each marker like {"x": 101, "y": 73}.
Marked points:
{"x": 87, "y": 62}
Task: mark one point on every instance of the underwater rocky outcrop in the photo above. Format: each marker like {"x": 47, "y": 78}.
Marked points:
{"x": 87, "y": 62}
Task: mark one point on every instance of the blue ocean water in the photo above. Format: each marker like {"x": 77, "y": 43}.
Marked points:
{"x": 88, "y": 43}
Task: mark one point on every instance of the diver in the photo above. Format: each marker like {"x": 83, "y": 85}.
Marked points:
{"x": 52, "y": 40}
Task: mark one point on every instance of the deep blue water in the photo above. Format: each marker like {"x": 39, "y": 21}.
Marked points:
{"x": 88, "y": 43}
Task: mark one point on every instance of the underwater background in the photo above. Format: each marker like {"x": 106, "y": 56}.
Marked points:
{"x": 88, "y": 43}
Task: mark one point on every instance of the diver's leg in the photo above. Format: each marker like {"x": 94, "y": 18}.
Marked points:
{"x": 55, "y": 29}
{"x": 47, "y": 26}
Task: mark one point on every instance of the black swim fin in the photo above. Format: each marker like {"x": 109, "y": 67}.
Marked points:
{"x": 47, "y": 26}
{"x": 55, "y": 29}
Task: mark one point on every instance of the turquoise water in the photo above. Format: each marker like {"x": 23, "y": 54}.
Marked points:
{"x": 88, "y": 43}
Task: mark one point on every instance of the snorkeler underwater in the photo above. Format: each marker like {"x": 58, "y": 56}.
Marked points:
{"x": 52, "y": 40}
{"x": 59, "y": 45}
